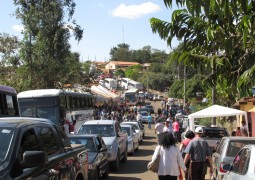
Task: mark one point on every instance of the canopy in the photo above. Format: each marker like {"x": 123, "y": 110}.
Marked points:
{"x": 216, "y": 111}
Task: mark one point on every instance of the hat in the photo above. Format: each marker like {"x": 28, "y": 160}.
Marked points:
{"x": 199, "y": 130}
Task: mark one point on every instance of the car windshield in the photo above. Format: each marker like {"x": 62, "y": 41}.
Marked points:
{"x": 144, "y": 113}
{"x": 104, "y": 130}
{"x": 150, "y": 107}
{"x": 136, "y": 125}
{"x": 127, "y": 129}
{"x": 214, "y": 133}
{"x": 87, "y": 141}
{"x": 6, "y": 138}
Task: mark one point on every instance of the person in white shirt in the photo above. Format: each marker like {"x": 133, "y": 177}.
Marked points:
{"x": 159, "y": 128}
{"x": 170, "y": 158}
{"x": 167, "y": 127}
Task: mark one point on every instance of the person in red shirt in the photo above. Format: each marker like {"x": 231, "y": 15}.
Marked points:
{"x": 176, "y": 129}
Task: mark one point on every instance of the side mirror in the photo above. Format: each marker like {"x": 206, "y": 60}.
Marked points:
{"x": 226, "y": 167}
{"x": 34, "y": 159}
{"x": 103, "y": 149}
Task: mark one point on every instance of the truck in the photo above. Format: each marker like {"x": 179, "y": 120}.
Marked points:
{"x": 35, "y": 148}
{"x": 116, "y": 139}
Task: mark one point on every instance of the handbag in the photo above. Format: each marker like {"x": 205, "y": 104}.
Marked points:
{"x": 153, "y": 165}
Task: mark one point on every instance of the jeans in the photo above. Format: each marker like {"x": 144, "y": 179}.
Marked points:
{"x": 149, "y": 125}
{"x": 197, "y": 170}
{"x": 167, "y": 177}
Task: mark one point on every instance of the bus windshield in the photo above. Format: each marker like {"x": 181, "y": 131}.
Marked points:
{"x": 40, "y": 108}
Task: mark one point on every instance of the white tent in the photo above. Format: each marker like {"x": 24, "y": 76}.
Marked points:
{"x": 216, "y": 111}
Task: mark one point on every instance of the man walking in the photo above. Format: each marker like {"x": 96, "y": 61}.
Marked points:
{"x": 168, "y": 127}
{"x": 149, "y": 120}
{"x": 198, "y": 151}
{"x": 176, "y": 129}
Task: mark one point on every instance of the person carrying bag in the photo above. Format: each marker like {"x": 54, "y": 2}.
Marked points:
{"x": 154, "y": 164}
{"x": 170, "y": 159}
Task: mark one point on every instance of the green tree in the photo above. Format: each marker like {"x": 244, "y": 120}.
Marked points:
{"x": 45, "y": 50}
{"x": 120, "y": 53}
{"x": 218, "y": 31}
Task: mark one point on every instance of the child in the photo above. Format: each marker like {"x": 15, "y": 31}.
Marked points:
{"x": 238, "y": 131}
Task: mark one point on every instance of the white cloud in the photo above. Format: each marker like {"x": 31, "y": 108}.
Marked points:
{"x": 135, "y": 11}
{"x": 18, "y": 28}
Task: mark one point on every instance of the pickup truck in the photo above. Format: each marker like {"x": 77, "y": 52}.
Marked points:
{"x": 33, "y": 148}
{"x": 116, "y": 139}
{"x": 213, "y": 135}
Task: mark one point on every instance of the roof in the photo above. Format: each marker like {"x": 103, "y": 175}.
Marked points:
{"x": 124, "y": 63}
{"x": 17, "y": 121}
{"x": 100, "y": 122}
{"x": 83, "y": 135}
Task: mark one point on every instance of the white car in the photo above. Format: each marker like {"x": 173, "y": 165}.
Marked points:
{"x": 137, "y": 129}
{"x": 243, "y": 165}
{"x": 144, "y": 117}
{"x": 133, "y": 137}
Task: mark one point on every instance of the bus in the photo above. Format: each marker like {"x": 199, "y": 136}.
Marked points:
{"x": 135, "y": 85}
{"x": 65, "y": 108}
{"x": 130, "y": 97}
{"x": 110, "y": 83}
{"x": 124, "y": 82}
{"x": 8, "y": 102}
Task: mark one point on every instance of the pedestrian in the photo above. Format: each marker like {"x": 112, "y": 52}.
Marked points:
{"x": 168, "y": 127}
{"x": 170, "y": 158}
{"x": 189, "y": 135}
{"x": 159, "y": 128}
{"x": 198, "y": 151}
{"x": 149, "y": 120}
{"x": 176, "y": 129}
{"x": 238, "y": 131}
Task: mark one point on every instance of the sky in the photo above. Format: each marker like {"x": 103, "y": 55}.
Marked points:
{"x": 105, "y": 24}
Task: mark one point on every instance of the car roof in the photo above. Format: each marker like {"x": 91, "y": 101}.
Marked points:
{"x": 17, "y": 121}
{"x": 213, "y": 128}
{"x": 238, "y": 138}
{"x": 83, "y": 135}
{"x": 100, "y": 122}
{"x": 126, "y": 122}
{"x": 126, "y": 125}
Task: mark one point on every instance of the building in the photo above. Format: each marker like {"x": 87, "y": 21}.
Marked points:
{"x": 248, "y": 104}
{"x": 113, "y": 65}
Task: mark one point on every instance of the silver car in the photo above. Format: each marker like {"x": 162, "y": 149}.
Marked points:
{"x": 133, "y": 137}
{"x": 226, "y": 152}
{"x": 138, "y": 129}
{"x": 243, "y": 165}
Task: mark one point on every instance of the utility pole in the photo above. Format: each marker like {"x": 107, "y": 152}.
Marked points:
{"x": 184, "y": 86}
{"x": 213, "y": 93}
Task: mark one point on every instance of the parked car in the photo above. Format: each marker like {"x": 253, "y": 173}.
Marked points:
{"x": 133, "y": 137}
{"x": 34, "y": 148}
{"x": 144, "y": 118}
{"x": 143, "y": 108}
{"x": 243, "y": 165}
{"x": 138, "y": 129}
{"x": 97, "y": 154}
{"x": 226, "y": 151}
{"x": 160, "y": 98}
{"x": 150, "y": 108}
{"x": 114, "y": 137}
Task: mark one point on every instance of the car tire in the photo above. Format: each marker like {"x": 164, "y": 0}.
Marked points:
{"x": 133, "y": 151}
{"x": 116, "y": 163}
{"x": 96, "y": 175}
{"x": 106, "y": 173}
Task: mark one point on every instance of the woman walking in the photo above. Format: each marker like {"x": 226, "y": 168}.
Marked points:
{"x": 188, "y": 137}
{"x": 170, "y": 158}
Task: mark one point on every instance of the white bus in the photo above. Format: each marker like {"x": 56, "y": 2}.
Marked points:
{"x": 8, "y": 102}
{"x": 110, "y": 83}
{"x": 135, "y": 85}
{"x": 130, "y": 97}
{"x": 124, "y": 82}
{"x": 65, "y": 108}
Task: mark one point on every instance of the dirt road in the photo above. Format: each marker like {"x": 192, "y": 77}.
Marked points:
{"x": 136, "y": 166}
